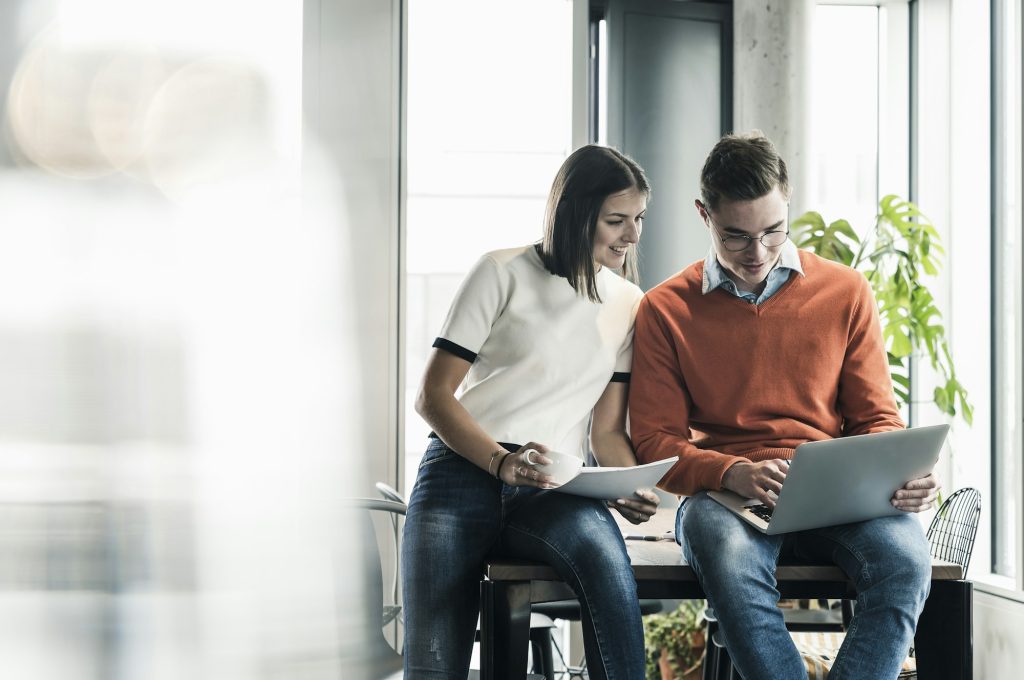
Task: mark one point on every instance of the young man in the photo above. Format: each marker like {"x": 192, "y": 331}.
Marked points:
{"x": 737, "y": 360}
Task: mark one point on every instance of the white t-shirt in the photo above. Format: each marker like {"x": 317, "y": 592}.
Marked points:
{"x": 542, "y": 354}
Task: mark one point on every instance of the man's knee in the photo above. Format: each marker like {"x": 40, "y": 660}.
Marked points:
{"x": 716, "y": 540}
{"x": 905, "y": 556}
{"x": 914, "y": 563}
{"x": 727, "y": 547}
{"x": 703, "y": 522}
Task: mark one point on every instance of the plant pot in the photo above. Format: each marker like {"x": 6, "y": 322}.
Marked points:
{"x": 694, "y": 672}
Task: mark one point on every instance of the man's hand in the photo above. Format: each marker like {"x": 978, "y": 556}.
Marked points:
{"x": 755, "y": 480}
{"x": 917, "y": 495}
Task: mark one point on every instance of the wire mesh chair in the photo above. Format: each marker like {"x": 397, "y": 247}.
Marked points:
{"x": 952, "y": 531}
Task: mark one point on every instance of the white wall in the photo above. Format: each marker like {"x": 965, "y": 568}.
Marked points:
{"x": 998, "y": 643}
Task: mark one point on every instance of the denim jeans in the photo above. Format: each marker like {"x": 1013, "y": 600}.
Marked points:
{"x": 459, "y": 516}
{"x": 887, "y": 559}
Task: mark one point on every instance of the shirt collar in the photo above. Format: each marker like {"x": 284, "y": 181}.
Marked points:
{"x": 715, "y": 276}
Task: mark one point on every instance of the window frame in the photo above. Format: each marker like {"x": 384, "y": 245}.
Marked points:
{"x": 1007, "y": 355}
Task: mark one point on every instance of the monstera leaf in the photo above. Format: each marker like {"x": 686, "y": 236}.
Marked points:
{"x": 896, "y": 256}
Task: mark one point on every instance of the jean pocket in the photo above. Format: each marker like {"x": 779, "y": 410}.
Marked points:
{"x": 437, "y": 454}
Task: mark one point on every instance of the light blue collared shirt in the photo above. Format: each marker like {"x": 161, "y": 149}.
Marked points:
{"x": 715, "y": 276}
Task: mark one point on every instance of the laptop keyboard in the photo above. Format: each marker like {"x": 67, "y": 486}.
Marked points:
{"x": 762, "y": 511}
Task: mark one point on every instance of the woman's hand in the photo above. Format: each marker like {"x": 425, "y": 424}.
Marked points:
{"x": 517, "y": 468}
{"x": 637, "y": 510}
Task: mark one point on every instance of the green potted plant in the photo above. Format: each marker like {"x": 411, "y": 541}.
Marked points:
{"x": 674, "y": 642}
{"x": 895, "y": 257}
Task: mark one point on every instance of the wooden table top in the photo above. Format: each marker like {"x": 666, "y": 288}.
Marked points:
{"x": 662, "y": 560}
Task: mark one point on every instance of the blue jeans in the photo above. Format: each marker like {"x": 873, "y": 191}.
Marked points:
{"x": 459, "y": 516}
{"x": 887, "y": 559}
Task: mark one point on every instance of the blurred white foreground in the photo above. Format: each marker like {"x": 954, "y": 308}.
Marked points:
{"x": 176, "y": 408}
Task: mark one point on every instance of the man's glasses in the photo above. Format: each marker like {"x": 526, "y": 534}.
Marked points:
{"x": 734, "y": 243}
{"x": 769, "y": 239}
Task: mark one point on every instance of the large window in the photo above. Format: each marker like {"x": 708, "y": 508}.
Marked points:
{"x": 489, "y": 122}
{"x": 968, "y": 179}
{"x": 843, "y": 182}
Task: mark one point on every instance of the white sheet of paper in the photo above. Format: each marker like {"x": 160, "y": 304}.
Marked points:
{"x": 609, "y": 483}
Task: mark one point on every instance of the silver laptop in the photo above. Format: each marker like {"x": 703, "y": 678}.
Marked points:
{"x": 837, "y": 481}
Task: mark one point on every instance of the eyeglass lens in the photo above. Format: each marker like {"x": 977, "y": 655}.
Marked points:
{"x": 771, "y": 239}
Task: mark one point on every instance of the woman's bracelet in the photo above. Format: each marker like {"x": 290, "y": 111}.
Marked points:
{"x": 497, "y": 472}
{"x": 494, "y": 456}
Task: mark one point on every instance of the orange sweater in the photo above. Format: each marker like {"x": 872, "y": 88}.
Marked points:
{"x": 717, "y": 380}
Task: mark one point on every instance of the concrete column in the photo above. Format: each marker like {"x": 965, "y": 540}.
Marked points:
{"x": 772, "y": 43}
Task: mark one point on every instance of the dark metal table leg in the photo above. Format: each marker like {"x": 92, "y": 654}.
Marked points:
{"x": 504, "y": 629}
{"x": 944, "y": 640}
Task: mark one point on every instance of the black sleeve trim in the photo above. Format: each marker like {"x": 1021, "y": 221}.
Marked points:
{"x": 620, "y": 377}
{"x": 458, "y": 350}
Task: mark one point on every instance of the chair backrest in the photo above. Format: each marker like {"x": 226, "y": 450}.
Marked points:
{"x": 381, "y": 659}
{"x": 389, "y": 492}
{"x": 394, "y": 611}
{"x": 952, "y": 531}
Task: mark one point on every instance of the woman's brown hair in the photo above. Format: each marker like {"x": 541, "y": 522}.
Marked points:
{"x": 588, "y": 176}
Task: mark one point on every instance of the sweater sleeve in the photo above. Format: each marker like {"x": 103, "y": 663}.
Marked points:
{"x": 659, "y": 408}
{"x": 866, "y": 398}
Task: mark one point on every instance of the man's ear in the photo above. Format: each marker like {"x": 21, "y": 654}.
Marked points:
{"x": 701, "y": 209}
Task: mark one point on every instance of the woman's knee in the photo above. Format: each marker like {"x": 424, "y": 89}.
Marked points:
{"x": 576, "y": 536}
{"x": 599, "y": 534}
{"x": 574, "y": 524}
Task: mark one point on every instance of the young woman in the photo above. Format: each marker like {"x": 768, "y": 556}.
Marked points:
{"x": 540, "y": 338}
